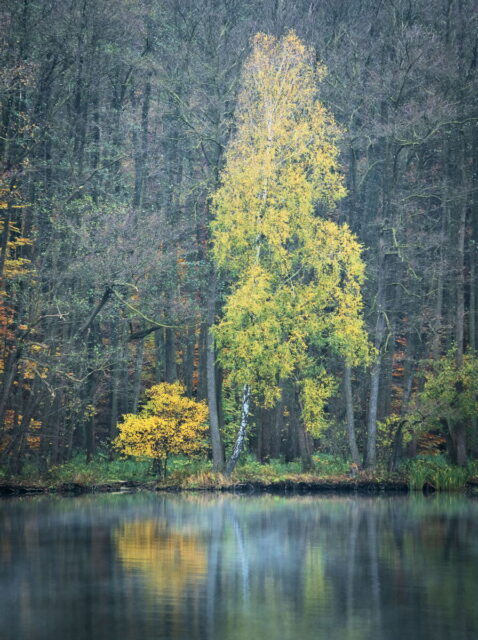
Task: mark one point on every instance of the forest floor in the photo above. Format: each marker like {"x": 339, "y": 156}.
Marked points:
{"x": 328, "y": 474}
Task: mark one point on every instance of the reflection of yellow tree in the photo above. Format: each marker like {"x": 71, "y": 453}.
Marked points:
{"x": 316, "y": 589}
{"x": 170, "y": 561}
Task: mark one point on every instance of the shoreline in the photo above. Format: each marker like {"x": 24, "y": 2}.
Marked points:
{"x": 368, "y": 486}
{"x": 253, "y": 487}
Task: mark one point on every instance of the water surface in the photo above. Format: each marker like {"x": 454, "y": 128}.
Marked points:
{"x": 147, "y": 566}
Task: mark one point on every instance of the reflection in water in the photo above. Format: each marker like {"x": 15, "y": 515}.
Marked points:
{"x": 173, "y": 565}
{"x": 169, "y": 560}
{"x": 230, "y": 568}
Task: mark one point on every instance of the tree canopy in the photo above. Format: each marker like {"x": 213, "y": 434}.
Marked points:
{"x": 293, "y": 274}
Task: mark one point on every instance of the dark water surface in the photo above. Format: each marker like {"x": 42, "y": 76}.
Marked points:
{"x": 147, "y": 566}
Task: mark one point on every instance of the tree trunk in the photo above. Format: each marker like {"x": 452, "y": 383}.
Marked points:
{"x": 304, "y": 445}
{"x": 171, "y": 372}
{"x": 354, "y": 452}
{"x": 460, "y": 290}
{"x": 115, "y": 383}
{"x": 137, "y": 376}
{"x": 189, "y": 361}
{"x": 159, "y": 357}
{"x": 217, "y": 448}
{"x": 241, "y": 434}
{"x": 436, "y": 343}
{"x": 140, "y": 146}
{"x": 202, "y": 361}
{"x": 397, "y": 444}
{"x": 371, "y": 453}
{"x": 278, "y": 421}
{"x": 460, "y": 428}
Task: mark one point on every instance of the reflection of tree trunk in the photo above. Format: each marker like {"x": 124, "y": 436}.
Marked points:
{"x": 451, "y": 537}
{"x": 354, "y": 452}
{"x": 214, "y": 570}
{"x": 352, "y": 554}
{"x": 242, "y": 553}
{"x": 241, "y": 434}
{"x": 374, "y": 571}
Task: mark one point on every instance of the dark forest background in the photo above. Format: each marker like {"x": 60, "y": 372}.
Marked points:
{"x": 114, "y": 118}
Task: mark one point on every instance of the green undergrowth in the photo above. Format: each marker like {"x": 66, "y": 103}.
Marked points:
{"x": 325, "y": 468}
{"x": 182, "y": 472}
{"x": 99, "y": 470}
{"x": 421, "y": 473}
{"x": 436, "y": 473}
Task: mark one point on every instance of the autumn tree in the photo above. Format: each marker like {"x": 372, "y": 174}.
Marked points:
{"x": 294, "y": 275}
{"x": 169, "y": 424}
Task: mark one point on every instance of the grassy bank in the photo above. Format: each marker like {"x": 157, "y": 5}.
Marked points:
{"x": 328, "y": 472}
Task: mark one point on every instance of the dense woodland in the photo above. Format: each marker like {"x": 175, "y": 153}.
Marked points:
{"x": 116, "y": 117}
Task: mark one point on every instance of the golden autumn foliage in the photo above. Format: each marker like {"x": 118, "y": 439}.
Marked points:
{"x": 169, "y": 424}
{"x": 295, "y": 276}
{"x": 13, "y": 267}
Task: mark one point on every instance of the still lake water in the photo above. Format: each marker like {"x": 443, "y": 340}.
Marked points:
{"x": 222, "y": 567}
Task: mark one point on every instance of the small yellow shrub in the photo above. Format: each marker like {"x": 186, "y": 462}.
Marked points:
{"x": 169, "y": 424}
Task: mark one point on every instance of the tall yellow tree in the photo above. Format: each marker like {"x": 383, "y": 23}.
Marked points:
{"x": 294, "y": 276}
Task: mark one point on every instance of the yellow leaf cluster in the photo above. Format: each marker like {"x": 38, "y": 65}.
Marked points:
{"x": 314, "y": 395}
{"x": 13, "y": 266}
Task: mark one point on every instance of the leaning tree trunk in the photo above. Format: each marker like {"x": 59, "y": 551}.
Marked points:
{"x": 241, "y": 434}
